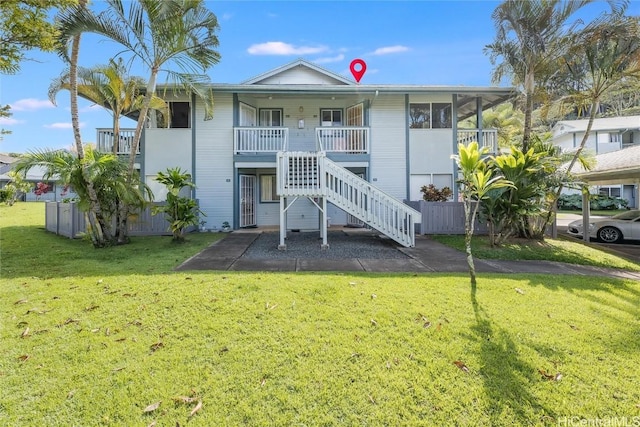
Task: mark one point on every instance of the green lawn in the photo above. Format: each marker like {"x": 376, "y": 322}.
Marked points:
{"x": 97, "y": 345}
{"x": 560, "y": 250}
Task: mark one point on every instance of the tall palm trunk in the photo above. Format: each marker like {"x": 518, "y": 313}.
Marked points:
{"x": 595, "y": 106}
{"x": 529, "y": 88}
{"x": 100, "y": 230}
{"x": 124, "y": 209}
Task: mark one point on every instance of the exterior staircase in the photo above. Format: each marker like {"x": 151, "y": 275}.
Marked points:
{"x": 313, "y": 175}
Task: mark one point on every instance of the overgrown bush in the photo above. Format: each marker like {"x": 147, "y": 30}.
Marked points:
{"x": 432, "y": 194}
{"x": 598, "y": 202}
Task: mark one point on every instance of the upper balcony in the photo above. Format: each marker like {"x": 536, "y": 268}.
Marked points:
{"x": 486, "y": 138}
{"x": 336, "y": 139}
{"x": 106, "y": 138}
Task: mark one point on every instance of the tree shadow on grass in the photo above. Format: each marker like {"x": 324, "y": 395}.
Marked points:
{"x": 507, "y": 378}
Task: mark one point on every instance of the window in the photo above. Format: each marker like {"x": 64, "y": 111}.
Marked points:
{"x": 179, "y": 116}
{"x": 247, "y": 115}
{"x": 430, "y": 116}
{"x": 609, "y": 191}
{"x": 615, "y": 137}
{"x": 271, "y": 117}
{"x": 268, "y": 191}
{"x": 355, "y": 115}
{"x": 331, "y": 117}
{"x": 441, "y": 116}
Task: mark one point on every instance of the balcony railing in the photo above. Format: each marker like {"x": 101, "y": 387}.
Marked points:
{"x": 106, "y": 139}
{"x": 260, "y": 139}
{"x": 486, "y": 137}
{"x": 350, "y": 140}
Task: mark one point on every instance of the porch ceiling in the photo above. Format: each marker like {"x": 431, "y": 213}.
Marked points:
{"x": 467, "y": 102}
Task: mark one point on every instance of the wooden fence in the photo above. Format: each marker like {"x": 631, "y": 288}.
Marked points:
{"x": 443, "y": 218}
{"x": 65, "y": 219}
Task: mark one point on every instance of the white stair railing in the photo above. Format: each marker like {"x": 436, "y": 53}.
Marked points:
{"x": 314, "y": 175}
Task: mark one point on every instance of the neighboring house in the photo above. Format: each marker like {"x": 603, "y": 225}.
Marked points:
{"x": 283, "y": 145}
{"x": 606, "y": 135}
{"x": 5, "y": 163}
{"x": 34, "y": 176}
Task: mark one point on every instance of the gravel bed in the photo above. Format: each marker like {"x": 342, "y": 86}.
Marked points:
{"x": 307, "y": 245}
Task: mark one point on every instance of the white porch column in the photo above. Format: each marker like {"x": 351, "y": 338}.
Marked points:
{"x": 585, "y": 213}
{"x": 283, "y": 224}
{"x": 323, "y": 225}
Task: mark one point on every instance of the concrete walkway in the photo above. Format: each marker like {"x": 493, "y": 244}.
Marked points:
{"x": 427, "y": 256}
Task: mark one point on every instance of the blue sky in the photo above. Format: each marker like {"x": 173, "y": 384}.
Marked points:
{"x": 402, "y": 42}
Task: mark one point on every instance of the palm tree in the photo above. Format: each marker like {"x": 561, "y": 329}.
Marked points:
{"x": 160, "y": 34}
{"x": 602, "y": 55}
{"x": 105, "y": 172}
{"x": 530, "y": 37}
{"x": 100, "y": 227}
{"x": 110, "y": 86}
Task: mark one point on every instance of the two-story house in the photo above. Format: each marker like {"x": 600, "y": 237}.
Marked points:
{"x": 606, "y": 135}
{"x": 299, "y": 146}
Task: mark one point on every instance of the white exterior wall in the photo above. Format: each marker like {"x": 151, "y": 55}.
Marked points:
{"x": 388, "y": 167}
{"x": 214, "y": 161}
{"x": 430, "y": 153}
{"x": 299, "y": 75}
{"x": 165, "y": 148}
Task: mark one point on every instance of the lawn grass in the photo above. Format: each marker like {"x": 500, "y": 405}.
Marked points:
{"x": 35, "y": 252}
{"x": 560, "y": 250}
{"x": 78, "y": 347}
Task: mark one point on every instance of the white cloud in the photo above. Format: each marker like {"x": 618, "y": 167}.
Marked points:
{"x": 281, "y": 48}
{"x": 8, "y": 121}
{"x": 326, "y": 60}
{"x": 226, "y": 17}
{"x": 390, "y": 49}
{"x": 31, "y": 104}
{"x": 62, "y": 125}
{"x": 90, "y": 108}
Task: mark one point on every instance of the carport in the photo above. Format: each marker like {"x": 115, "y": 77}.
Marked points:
{"x": 614, "y": 168}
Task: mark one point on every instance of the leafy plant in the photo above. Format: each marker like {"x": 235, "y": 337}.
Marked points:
{"x": 181, "y": 212}
{"x": 14, "y": 188}
{"x": 431, "y": 193}
{"x": 477, "y": 181}
{"x": 596, "y": 202}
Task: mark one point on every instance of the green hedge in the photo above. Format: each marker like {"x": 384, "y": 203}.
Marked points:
{"x": 596, "y": 202}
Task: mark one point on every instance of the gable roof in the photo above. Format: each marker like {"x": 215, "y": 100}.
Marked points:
{"x": 268, "y": 76}
{"x": 601, "y": 124}
{"x": 4, "y": 159}
{"x": 615, "y": 166}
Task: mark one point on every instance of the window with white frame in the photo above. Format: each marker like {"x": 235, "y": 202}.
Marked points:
{"x": 615, "y": 137}
{"x": 437, "y": 115}
{"x": 271, "y": 117}
{"x": 247, "y": 115}
{"x": 331, "y": 117}
{"x": 268, "y": 191}
{"x": 355, "y": 115}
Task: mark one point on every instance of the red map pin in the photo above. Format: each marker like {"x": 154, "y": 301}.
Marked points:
{"x": 358, "y": 67}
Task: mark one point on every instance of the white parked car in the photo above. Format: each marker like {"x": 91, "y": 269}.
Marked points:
{"x": 624, "y": 226}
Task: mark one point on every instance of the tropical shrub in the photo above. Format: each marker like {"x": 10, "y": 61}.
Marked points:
{"x": 431, "y": 193}
{"x": 181, "y": 212}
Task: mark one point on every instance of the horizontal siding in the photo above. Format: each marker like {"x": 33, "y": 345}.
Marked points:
{"x": 214, "y": 161}
{"x": 388, "y": 145}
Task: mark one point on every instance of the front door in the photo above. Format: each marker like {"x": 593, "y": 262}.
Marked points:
{"x": 248, "y": 201}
